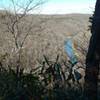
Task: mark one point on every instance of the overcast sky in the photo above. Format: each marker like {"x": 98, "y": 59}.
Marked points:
{"x": 62, "y": 6}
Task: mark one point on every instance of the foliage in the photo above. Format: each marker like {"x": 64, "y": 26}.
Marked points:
{"x": 22, "y": 87}
{"x": 47, "y": 82}
{"x": 91, "y": 21}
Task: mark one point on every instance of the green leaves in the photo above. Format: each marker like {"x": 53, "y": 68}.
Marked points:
{"x": 46, "y": 82}
{"x": 24, "y": 87}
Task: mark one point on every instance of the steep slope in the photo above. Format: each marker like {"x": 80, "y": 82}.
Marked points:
{"x": 48, "y": 34}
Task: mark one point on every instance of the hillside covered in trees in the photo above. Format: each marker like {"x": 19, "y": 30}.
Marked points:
{"x": 46, "y": 36}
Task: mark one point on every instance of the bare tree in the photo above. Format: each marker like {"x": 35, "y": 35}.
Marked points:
{"x": 18, "y": 24}
{"x": 14, "y": 20}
